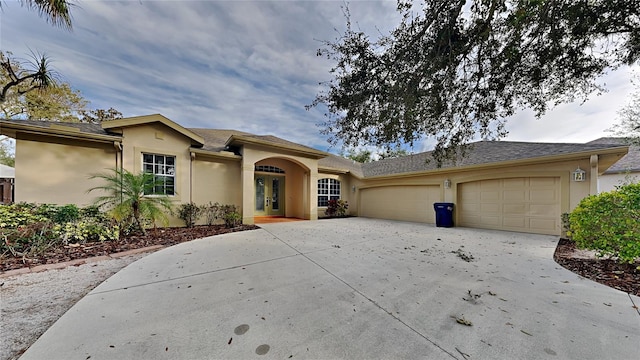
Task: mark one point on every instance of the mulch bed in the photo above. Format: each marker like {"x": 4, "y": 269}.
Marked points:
{"x": 164, "y": 236}
{"x": 624, "y": 277}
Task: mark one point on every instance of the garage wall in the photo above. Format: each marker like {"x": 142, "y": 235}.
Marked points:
{"x": 525, "y": 204}
{"x": 400, "y": 202}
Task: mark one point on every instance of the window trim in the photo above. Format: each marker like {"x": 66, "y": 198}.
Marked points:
{"x": 329, "y": 195}
{"x": 154, "y": 164}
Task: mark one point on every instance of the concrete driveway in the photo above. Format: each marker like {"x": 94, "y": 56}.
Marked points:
{"x": 353, "y": 289}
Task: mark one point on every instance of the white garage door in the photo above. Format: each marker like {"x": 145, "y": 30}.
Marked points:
{"x": 405, "y": 203}
{"x": 520, "y": 204}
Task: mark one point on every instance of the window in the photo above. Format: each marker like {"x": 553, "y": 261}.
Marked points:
{"x": 163, "y": 168}
{"x": 269, "y": 169}
{"x": 328, "y": 189}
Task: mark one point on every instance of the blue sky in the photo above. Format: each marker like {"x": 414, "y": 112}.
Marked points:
{"x": 246, "y": 65}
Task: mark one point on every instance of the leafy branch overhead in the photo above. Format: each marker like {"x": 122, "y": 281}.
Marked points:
{"x": 454, "y": 70}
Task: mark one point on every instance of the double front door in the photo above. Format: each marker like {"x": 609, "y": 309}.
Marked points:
{"x": 269, "y": 195}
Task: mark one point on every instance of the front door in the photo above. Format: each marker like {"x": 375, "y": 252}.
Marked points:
{"x": 269, "y": 195}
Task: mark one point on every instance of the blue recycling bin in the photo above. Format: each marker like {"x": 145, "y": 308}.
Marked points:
{"x": 444, "y": 214}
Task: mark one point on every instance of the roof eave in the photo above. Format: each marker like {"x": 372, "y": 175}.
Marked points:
{"x": 58, "y": 132}
{"x": 239, "y": 139}
{"x": 329, "y": 170}
{"x": 226, "y": 155}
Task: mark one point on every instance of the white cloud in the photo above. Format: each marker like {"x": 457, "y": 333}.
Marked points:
{"x": 247, "y": 65}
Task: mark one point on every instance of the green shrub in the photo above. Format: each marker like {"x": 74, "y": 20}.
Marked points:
{"x": 66, "y": 213}
{"x": 14, "y": 215}
{"x": 30, "y": 229}
{"x": 232, "y": 219}
{"x": 609, "y": 223}
{"x": 190, "y": 213}
{"x": 337, "y": 208}
{"x": 212, "y": 212}
{"x": 85, "y": 231}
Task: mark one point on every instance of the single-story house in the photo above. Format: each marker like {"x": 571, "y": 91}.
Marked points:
{"x": 7, "y": 176}
{"x": 625, "y": 171}
{"x": 516, "y": 186}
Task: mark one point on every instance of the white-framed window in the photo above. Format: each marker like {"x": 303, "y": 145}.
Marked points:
{"x": 163, "y": 168}
{"x": 328, "y": 189}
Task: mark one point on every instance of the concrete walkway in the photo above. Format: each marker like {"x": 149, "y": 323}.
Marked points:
{"x": 352, "y": 289}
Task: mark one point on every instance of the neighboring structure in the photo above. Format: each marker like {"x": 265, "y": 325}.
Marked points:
{"x": 625, "y": 171}
{"x": 513, "y": 186}
{"x": 7, "y": 176}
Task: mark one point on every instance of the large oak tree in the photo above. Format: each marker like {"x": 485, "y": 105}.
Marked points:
{"x": 455, "y": 70}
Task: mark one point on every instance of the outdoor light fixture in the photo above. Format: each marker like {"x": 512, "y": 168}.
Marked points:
{"x": 579, "y": 175}
{"x": 447, "y": 184}
{"x": 353, "y": 188}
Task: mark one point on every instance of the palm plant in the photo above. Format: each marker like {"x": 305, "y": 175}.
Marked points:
{"x": 55, "y": 12}
{"x": 125, "y": 197}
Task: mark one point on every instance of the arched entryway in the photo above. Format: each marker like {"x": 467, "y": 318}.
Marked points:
{"x": 280, "y": 188}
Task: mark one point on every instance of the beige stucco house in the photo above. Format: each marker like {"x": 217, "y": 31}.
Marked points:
{"x": 501, "y": 185}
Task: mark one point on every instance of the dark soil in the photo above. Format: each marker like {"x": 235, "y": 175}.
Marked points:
{"x": 624, "y": 277}
{"x": 164, "y": 236}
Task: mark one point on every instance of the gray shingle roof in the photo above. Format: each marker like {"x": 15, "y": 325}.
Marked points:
{"x": 482, "y": 152}
{"x": 629, "y": 162}
{"x": 338, "y": 162}
{"x": 215, "y": 140}
{"x": 83, "y": 127}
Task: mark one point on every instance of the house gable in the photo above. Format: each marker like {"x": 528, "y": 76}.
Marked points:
{"x": 119, "y": 124}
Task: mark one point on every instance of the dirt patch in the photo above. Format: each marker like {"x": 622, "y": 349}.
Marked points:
{"x": 624, "y": 277}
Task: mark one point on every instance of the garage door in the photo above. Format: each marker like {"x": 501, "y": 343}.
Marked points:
{"x": 405, "y": 203}
{"x": 519, "y": 204}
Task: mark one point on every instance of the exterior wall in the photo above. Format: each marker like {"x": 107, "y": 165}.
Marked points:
{"x": 158, "y": 139}
{"x": 58, "y": 173}
{"x": 215, "y": 180}
{"x": 608, "y": 182}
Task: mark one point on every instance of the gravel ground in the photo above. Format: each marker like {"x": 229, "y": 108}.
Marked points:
{"x": 31, "y": 303}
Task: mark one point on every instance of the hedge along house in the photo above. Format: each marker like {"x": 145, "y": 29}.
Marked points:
{"x": 513, "y": 186}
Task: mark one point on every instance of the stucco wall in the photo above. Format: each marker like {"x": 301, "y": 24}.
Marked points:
{"x": 58, "y": 173}
{"x": 609, "y": 182}
{"x": 216, "y": 180}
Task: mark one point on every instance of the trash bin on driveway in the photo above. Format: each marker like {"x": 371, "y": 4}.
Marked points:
{"x": 444, "y": 214}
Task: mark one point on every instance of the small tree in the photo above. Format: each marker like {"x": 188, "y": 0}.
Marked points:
{"x": 125, "y": 197}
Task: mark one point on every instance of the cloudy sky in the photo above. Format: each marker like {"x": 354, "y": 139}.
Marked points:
{"x": 246, "y": 65}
